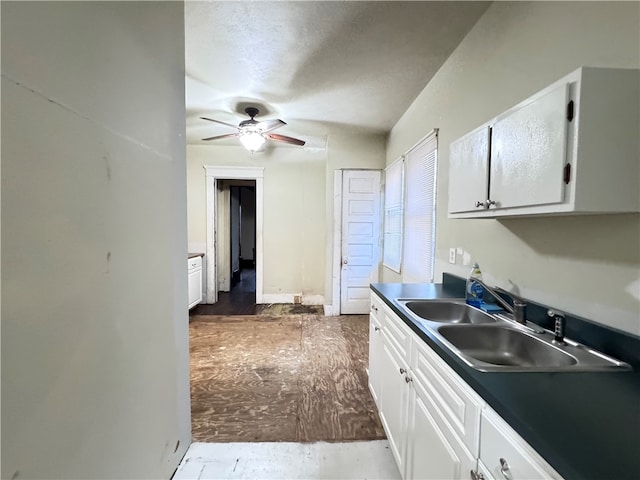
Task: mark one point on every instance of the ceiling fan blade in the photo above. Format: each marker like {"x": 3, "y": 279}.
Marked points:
{"x": 285, "y": 139}
{"x": 269, "y": 125}
{"x": 220, "y": 122}
{"x": 218, "y": 137}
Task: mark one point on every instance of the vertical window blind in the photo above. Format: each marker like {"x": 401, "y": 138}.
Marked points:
{"x": 419, "y": 211}
{"x": 393, "y": 208}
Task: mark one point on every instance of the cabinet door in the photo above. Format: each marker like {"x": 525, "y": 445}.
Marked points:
{"x": 434, "y": 451}
{"x": 457, "y": 403}
{"x": 528, "y": 152}
{"x": 469, "y": 171}
{"x": 375, "y": 358}
{"x": 394, "y": 400}
{"x": 195, "y": 287}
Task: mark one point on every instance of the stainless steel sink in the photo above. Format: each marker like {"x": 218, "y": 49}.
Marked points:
{"x": 504, "y": 346}
{"x": 495, "y": 342}
{"x": 447, "y": 311}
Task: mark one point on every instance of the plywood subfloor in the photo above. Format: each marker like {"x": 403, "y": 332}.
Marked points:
{"x": 291, "y": 378}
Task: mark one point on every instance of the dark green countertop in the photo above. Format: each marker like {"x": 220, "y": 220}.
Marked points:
{"x": 584, "y": 424}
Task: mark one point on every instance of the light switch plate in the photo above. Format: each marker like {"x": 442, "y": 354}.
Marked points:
{"x": 452, "y": 255}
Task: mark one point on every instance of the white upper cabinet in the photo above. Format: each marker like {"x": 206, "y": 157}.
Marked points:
{"x": 571, "y": 148}
{"x": 528, "y": 152}
{"x": 470, "y": 166}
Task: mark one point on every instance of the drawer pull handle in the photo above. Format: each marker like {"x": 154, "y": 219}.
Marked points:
{"x": 476, "y": 476}
{"x": 377, "y": 329}
{"x": 402, "y": 371}
{"x": 504, "y": 468}
{"x": 408, "y": 379}
{"x": 374, "y": 308}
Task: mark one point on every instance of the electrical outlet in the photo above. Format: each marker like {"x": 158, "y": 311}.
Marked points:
{"x": 452, "y": 255}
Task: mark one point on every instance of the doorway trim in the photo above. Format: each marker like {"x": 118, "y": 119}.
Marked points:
{"x": 337, "y": 243}
{"x": 214, "y": 173}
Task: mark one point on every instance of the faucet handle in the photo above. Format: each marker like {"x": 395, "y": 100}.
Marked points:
{"x": 559, "y": 324}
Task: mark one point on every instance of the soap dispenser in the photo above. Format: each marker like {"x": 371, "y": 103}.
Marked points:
{"x": 474, "y": 290}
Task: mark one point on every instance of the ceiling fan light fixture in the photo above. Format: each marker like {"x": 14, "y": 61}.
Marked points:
{"x": 252, "y": 141}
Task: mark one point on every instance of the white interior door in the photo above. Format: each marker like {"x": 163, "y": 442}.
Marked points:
{"x": 360, "y": 238}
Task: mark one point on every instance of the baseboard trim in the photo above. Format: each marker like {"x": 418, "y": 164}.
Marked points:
{"x": 291, "y": 297}
{"x": 312, "y": 299}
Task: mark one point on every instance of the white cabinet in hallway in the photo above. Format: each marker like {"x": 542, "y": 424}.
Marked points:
{"x": 194, "y": 273}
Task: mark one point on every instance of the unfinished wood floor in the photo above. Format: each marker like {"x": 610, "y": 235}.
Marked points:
{"x": 291, "y": 378}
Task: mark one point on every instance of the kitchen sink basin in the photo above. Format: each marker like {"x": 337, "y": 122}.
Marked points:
{"x": 447, "y": 311}
{"x": 505, "y": 346}
{"x": 495, "y": 342}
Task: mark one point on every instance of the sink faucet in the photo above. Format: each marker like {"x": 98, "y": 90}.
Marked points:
{"x": 519, "y": 306}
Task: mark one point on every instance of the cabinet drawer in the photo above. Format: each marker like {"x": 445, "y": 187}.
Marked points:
{"x": 459, "y": 404}
{"x": 397, "y": 332}
{"x": 376, "y": 306}
{"x": 195, "y": 262}
{"x": 499, "y": 442}
{"x": 392, "y": 326}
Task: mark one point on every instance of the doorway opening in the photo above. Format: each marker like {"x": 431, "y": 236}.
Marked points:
{"x": 225, "y": 267}
{"x": 236, "y": 247}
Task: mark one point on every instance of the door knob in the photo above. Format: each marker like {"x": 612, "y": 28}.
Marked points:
{"x": 345, "y": 261}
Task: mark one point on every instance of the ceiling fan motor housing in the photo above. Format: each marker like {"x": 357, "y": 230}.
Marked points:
{"x": 251, "y": 111}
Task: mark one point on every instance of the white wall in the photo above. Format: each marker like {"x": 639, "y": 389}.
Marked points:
{"x": 94, "y": 287}
{"x": 588, "y": 265}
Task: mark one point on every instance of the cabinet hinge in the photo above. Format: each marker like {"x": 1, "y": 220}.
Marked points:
{"x": 567, "y": 173}
{"x": 570, "y": 110}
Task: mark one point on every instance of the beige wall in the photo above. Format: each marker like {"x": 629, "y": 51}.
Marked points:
{"x": 587, "y": 265}
{"x": 298, "y": 205}
{"x": 294, "y": 220}
{"x": 94, "y": 289}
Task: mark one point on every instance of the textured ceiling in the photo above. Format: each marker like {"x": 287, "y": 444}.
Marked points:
{"x": 316, "y": 65}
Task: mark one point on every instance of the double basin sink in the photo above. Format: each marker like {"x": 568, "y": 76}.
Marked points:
{"x": 493, "y": 342}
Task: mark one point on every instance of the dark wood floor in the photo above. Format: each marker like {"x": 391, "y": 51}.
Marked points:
{"x": 298, "y": 378}
{"x": 241, "y": 300}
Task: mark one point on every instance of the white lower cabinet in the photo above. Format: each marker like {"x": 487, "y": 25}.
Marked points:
{"x": 375, "y": 357}
{"x": 394, "y": 402}
{"x": 437, "y": 426}
{"x": 433, "y": 450}
{"x": 505, "y": 455}
{"x": 194, "y": 276}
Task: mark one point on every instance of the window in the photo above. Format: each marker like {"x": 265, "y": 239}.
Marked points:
{"x": 392, "y": 243}
{"x": 419, "y": 210}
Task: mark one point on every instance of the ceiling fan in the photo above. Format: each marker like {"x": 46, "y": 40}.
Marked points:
{"x": 252, "y": 133}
